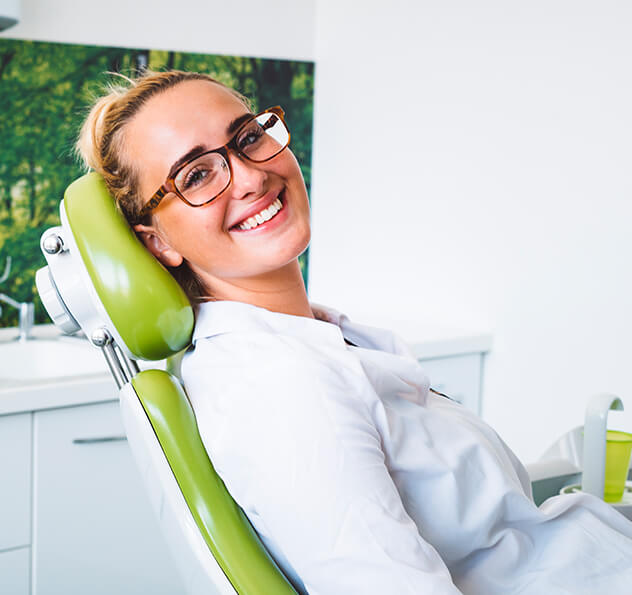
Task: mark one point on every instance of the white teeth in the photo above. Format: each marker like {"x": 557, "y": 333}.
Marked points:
{"x": 262, "y": 216}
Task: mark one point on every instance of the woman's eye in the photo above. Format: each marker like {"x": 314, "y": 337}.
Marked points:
{"x": 195, "y": 177}
{"x": 250, "y": 137}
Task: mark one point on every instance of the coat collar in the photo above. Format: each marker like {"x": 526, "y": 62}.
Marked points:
{"x": 216, "y": 318}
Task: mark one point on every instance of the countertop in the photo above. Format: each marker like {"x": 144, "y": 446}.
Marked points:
{"x": 45, "y": 393}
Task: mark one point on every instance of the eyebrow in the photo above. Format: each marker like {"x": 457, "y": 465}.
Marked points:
{"x": 238, "y": 121}
{"x": 198, "y": 149}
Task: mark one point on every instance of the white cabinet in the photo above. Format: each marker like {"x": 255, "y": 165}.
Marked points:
{"x": 14, "y": 571}
{"x": 15, "y": 481}
{"x": 94, "y": 530}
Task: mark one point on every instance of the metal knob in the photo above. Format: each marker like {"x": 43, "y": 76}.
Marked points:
{"x": 53, "y": 244}
{"x": 100, "y": 337}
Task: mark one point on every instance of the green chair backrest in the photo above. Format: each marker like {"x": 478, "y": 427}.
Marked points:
{"x": 222, "y": 523}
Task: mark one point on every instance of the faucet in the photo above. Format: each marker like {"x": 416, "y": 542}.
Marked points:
{"x": 26, "y": 313}
{"x": 25, "y": 309}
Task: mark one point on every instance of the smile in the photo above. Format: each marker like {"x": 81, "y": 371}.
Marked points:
{"x": 262, "y": 216}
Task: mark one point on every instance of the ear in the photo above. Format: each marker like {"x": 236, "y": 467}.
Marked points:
{"x": 154, "y": 242}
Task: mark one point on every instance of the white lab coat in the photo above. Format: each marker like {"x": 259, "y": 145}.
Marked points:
{"x": 360, "y": 481}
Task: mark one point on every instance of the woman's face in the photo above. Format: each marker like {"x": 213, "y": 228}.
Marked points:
{"x": 198, "y": 114}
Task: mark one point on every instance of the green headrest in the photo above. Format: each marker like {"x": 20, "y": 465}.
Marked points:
{"x": 147, "y": 307}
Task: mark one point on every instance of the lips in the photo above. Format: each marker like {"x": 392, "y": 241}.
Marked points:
{"x": 263, "y": 203}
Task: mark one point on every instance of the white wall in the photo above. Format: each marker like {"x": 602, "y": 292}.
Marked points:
{"x": 208, "y": 26}
{"x": 473, "y": 166}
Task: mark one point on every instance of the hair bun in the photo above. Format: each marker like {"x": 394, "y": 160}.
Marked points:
{"x": 88, "y": 146}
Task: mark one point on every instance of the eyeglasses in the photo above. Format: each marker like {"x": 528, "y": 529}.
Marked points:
{"x": 204, "y": 177}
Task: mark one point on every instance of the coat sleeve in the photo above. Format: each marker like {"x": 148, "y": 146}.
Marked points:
{"x": 297, "y": 447}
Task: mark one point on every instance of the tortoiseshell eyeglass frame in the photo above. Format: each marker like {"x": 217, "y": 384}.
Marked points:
{"x": 170, "y": 184}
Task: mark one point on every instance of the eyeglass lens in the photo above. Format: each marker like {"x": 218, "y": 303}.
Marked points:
{"x": 207, "y": 176}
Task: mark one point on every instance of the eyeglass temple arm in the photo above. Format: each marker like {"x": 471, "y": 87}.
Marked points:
{"x": 153, "y": 202}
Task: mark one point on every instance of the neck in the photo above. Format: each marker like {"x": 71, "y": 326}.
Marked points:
{"x": 282, "y": 290}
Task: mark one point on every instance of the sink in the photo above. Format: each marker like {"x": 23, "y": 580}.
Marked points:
{"x": 41, "y": 359}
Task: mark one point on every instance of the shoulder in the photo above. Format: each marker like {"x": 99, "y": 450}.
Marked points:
{"x": 256, "y": 397}
{"x": 258, "y": 369}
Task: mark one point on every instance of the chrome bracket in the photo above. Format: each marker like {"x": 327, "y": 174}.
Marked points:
{"x": 123, "y": 369}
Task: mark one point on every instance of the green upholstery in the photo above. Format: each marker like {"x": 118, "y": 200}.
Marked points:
{"x": 153, "y": 316}
{"x": 223, "y": 525}
{"x": 148, "y": 308}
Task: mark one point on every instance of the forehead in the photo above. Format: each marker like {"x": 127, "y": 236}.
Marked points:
{"x": 174, "y": 121}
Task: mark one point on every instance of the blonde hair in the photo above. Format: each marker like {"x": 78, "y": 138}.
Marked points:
{"x": 101, "y": 145}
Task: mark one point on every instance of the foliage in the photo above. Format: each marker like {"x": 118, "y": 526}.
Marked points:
{"x": 45, "y": 89}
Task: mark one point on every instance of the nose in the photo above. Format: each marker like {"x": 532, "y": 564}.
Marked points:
{"x": 248, "y": 178}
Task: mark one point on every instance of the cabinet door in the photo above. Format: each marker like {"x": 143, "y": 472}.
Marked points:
{"x": 94, "y": 530}
{"x": 15, "y": 481}
{"x": 14, "y": 572}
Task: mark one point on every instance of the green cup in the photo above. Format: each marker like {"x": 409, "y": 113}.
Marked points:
{"x": 618, "y": 449}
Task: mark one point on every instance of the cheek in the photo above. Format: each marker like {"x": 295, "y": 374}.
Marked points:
{"x": 189, "y": 230}
{"x": 286, "y": 166}
{"x": 295, "y": 182}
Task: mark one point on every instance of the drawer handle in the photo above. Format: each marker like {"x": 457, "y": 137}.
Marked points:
{"x": 99, "y": 440}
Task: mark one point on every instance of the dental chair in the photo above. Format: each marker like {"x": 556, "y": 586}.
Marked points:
{"x": 101, "y": 280}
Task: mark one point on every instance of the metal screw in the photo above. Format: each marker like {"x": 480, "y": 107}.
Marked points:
{"x": 101, "y": 337}
{"x": 53, "y": 244}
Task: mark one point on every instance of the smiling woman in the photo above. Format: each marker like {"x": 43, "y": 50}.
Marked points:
{"x": 197, "y": 173}
{"x": 355, "y": 474}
